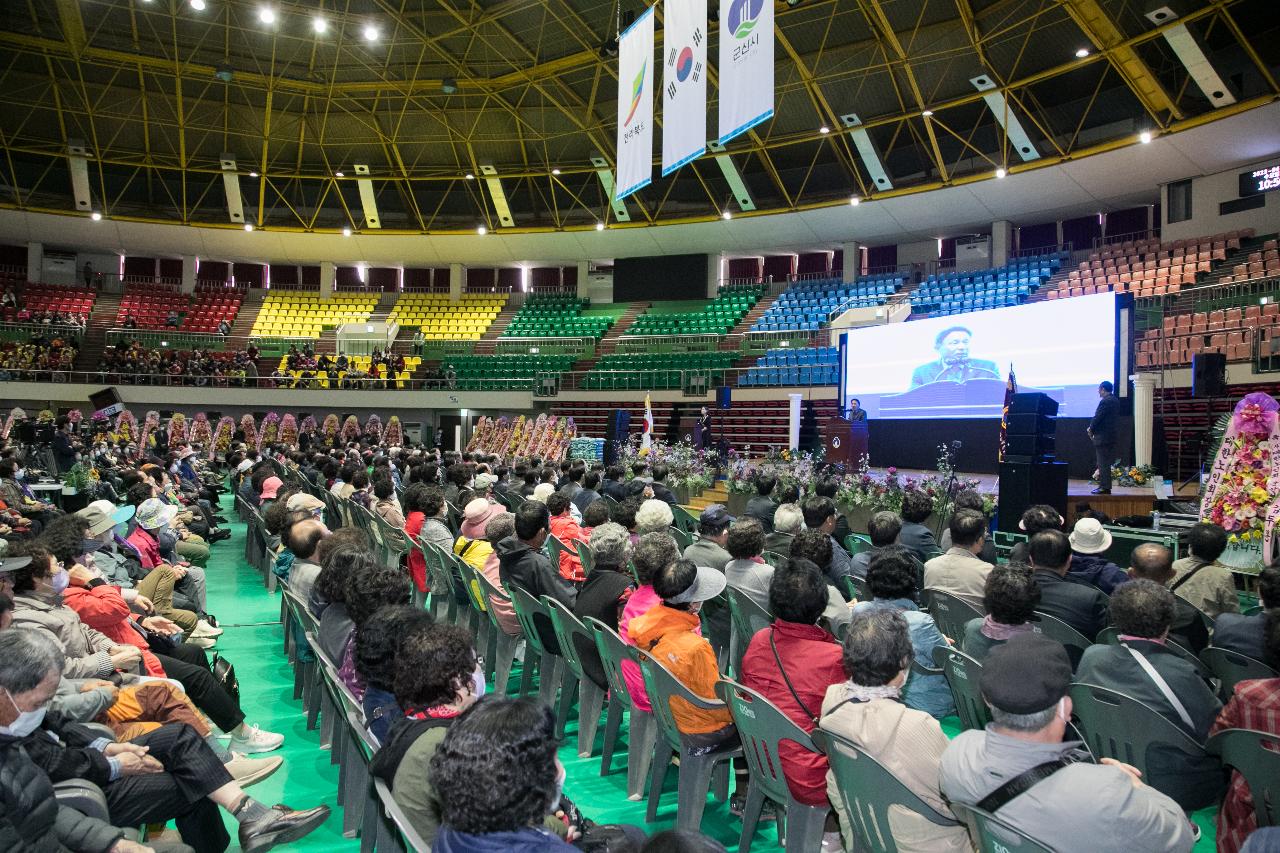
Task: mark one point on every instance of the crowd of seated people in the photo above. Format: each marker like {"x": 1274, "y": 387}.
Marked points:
{"x": 303, "y": 368}
{"x": 132, "y": 363}
{"x": 45, "y": 357}
{"x": 43, "y": 308}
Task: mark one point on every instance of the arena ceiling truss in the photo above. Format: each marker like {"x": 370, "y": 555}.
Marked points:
{"x": 438, "y": 116}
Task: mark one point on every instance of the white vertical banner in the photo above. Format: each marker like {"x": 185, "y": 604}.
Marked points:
{"x": 746, "y": 65}
{"x": 635, "y": 106}
{"x": 684, "y": 83}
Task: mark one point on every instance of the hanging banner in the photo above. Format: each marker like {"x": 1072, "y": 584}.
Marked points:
{"x": 635, "y": 106}
{"x": 746, "y": 65}
{"x": 684, "y": 83}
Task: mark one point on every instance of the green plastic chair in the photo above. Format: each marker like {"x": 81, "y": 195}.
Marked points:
{"x": 762, "y": 728}
{"x": 994, "y": 835}
{"x": 951, "y": 612}
{"x": 856, "y": 543}
{"x": 1231, "y": 668}
{"x": 575, "y": 641}
{"x": 1255, "y": 756}
{"x": 641, "y": 727}
{"x": 1055, "y": 629}
{"x": 585, "y": 556}
{"x": 684, "y": 520}
{"x": 683, "y": 539}
{"x": 962, "y": 673}
{"x": 746, "y": 618}
{"x": 696, "y": 771}
{"x": 868, "y": 790}
{"x": 855, "y": 587}
{"x": 1118, "y": 726}
{"x": 550, "y": 665}
{"x": 505, "y": 655}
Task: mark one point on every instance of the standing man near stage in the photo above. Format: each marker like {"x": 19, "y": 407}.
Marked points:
{"x": 704, "y": 424}
{"x": 1103, "y": 430}
{"x": 856, "y": 412}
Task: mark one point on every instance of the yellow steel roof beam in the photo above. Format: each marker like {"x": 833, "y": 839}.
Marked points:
{"x": 1106, "y": 37}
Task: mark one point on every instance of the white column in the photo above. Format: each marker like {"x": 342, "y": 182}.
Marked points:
{"x": 1001, "y": 242}
{"x": 35, "y": 262}
{"x": 189, "y": 264}
{"x": 1144, "y": 408}
{"x": 328, "y": 276}
{"x": 715, "y": 272}
{"x": 852, "y": 262}
{"x": 793, "y": 425}
{"x": 457, "y": 275}
{"x": 584, "y": 286}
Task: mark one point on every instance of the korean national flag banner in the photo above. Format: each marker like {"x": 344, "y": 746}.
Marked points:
{"x": 684, "y": 83}
{"x": 635, "y": 106}
{"x": 746, "y": 65}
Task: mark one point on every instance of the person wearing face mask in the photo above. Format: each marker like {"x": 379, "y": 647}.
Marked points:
{"x": 1079, "y": 807}
{"x": 154, "y": 539}
{"x": 19, "y": 497}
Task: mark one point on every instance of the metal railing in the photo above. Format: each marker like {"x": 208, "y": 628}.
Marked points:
{"x": 167, "y": 338}
{"x": 668, "y": 343}
{"x": 1133, "y": 236}
{"x": 25, "y": 331}
{"x": 1035, "y": 251}
{"x": 568, "y": 345}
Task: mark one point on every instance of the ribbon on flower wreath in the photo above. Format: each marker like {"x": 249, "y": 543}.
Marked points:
{"x": 1254, "y": 418}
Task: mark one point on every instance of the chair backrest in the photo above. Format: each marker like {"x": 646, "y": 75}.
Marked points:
{"x": 1055, "y": 629}
{"x": 568, "y": 629}
{"x": 855, "y": 587}
{"x": 762, "y": 727}
{"x": 554, "y": 548}
{"x": 662, "y": 687}
{"x": 409, "y": 836}
{"x": 585, "y": 556}
{"x": 1232, "y": 667}
{"x": 526, "y": 607}
{"x": 394, "y": 539}
{"x": 774, "y": 559}
{"x": 684, "y": 520}
{"x": 470, "y": 580}
{"x": 1115, "y": 725}
{"x": 994, "y": 835}
{"x": 856, "y": 543}
{"x": 490, "y": 592}
{"x": 949, "y": 611}
{"x": 962, "y": 672}
{"x": 683, "y": 538}
{"x": 1257, "y": 756}
{"x": 747, "y": 618}
{"x": 868, "y": 790}
{"x": 613, "y": 651}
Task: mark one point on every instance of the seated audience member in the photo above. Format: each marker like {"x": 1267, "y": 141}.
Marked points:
{"x": 1247, "y": 634}
{"x": 377, "y": 648}
{"x": 606, "y": 592}
{"x": 820, "y": 514}
{"x": 708, "y": 549}
{"x": 415, "y": 518}
{"x": 625, "y": 514}
{"x": 522, "y": 563}
{"x": 1082, "y": 807}
{"x": 472, "y": 546}
{"x": 959, "y": 571}
{"x": 1081, "y": 606}
{"x": 1143, "y": 668}
{"x": 437, "y": 677}
{"x": 1010, "y": 599}
{"x": 891, "y": 582}
{"x": 151, "y": 521}
{"x": 792, "y": 663}
{"x": 589, "y": 494}
{"x": 329, "y": 594}
{"x": 1089, "y": 541}
{"x": 653, "y": 516}
{"x": 915, "y": 536}
{"x": 1155, "y": 563}
{"x": 1255, "y": 705}
{"x": 568, "y": 531}
{"x": 815, "y": 546}
{"x": 435, "y": 525}
{"x": 385, "y": 503}
{"x": 302, "y": 537}
{"x": 788, "y": 520}
{"x": 166, "y": 774}
{"x": 542, "y": 492}
{"x": 659, "y": 485}
{"x": 748, "y": 571}
{"x": 761, "y": 506}
{"x": 1210, "y": 587}
{"x": 652, "y": 553}
{"x": 826, "y": 487}
{"x": 504, "y": 779}
{"x": 499, "y": 527}
{"x": 1034, "y": 519}
{"x": 613, "y": 486}
{"x": 969, "y": 499}
{"x": 369, "y": 589}
{"x": 866, "y": 707}
{"x": 882, "y": 529}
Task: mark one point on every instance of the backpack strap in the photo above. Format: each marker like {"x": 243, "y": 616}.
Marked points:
{"x": 1020, "y": 784}
{"x": 783, "y": 672}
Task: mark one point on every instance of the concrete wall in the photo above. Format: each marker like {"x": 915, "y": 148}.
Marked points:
{"x": 1207, "y": 192}
{"x": 921, "y": 252}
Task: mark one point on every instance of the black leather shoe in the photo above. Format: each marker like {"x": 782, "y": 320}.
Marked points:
{"x": 1101, "y": 492}
{"x": 218, "y": 535}
{"x": 281, "y": 825}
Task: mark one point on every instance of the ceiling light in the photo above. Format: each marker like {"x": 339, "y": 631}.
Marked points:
{"x": 855, "y": 201}
{"x": 320, "y": 25}
{"x": 248, "y": 226}
{"x": 482, "y": 231}
{"x": 346, "y": 232}
{"x": 824, "y": 130}
{"x": 198, "y": 5}
{"x": 599, "y": 225}
{"x": 1000, "y": 173}
{"x": 555, "y": 171}
{"x": 449, "y": 86}
{"x": 253, "y": 174}
{"x": 470, "y": 177}
{"x": 927, "y": 113}
{"x": 726, "y": 215}
{"x": 1144, "y": 137}
{"x": 339, "y": 174}
{"x": 95, "y": 216}
{"x": 267, "y": 15}
{"x": 1082, "y": 53}
{"x": 370, "y": 33}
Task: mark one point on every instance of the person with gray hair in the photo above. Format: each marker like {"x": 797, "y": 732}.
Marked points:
{"x": 653, "y": 552}
{"x": 788, "y": 520}
{"x": 608, "y": 587}
{"x": 654, "y": 516}
{"x": 867, "y": 709}
{"x": 499, "y": 527}
{"x": 1081, "y": 807}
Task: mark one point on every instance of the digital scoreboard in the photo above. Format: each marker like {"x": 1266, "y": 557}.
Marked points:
{"x": 1263, "y": 179}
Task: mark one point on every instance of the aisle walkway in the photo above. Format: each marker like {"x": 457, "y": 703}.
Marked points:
{"x": 254, "y": 643}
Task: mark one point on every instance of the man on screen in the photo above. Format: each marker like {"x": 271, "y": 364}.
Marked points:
{"x": 953, "y": 364}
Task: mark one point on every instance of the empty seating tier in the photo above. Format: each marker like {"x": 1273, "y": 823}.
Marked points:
{"x": 978, "y": 290}
{"x": 707, "y": 317}
{"x": 1151, "y": 268}
{"x": 294, "y": 314}
{"x": 794, "y": 366}
{"x": 657, "y": 370}
{"x": 560, "y": 315}
{"x": 805, "y": 305}
{"x": 148, "y": 306}
{"x": 443, "y": 320}
{"x": 52, "y": 298}
{"x": 503, "y": 372}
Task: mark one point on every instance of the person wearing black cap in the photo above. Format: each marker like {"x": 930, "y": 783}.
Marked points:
{"x": 1080, "y": 807}
{"x": 709, "y": 550}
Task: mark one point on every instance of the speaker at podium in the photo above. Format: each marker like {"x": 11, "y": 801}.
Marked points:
{"x": 846, "y": 441}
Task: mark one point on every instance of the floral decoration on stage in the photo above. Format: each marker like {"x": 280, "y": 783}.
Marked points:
{"x": 330, "y": 429}
{"x": 547, "y": 437}
{"x": 289, "y": 430}
{"x": 1134, "y": 475}
{"x": 309, "y": 424}
{"x": 201, "y": 431}
{"x": 1245, "y": 478}
{"x": 250, "y": 430}
{"x": 177, "y": 430}
{"x": 268, "y": 433}
{"x": 373, "y": 428}
{"x": 126, "y": 426}
{"x": 223, "y": 434}
{"x": 393, "y": 435}
{"x": 688, "y": 467}
{"x": 15, "y": 414}
{"x": 350, "y": 429}
{"x": 150, "y": 422}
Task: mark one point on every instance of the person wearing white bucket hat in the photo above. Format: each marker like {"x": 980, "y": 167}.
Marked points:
{"x": 1090, "y": 542}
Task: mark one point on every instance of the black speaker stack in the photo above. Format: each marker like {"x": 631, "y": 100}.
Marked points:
{"x": 1208, "y": 374}
{"x": 1030, "y": 473}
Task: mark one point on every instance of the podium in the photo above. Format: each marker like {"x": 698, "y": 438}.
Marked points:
{"x": 845, "y": 441}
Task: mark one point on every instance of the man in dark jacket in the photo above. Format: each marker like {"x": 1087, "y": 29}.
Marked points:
{"x": 1246, "y": 634}
{"x": 761, "y": 506}
{"x": 522, "y": 563}
{"x": 613, "y": 485}
{"x": 1089, "y": 542}
{"x": 608, "y": 587}
{"x": 915, "y": 536}
{"x": 1082, "y": 607}
{"x": 1104, "y": 430}
{"x": 659, "y": 485}
{"x": 588, "y": 494}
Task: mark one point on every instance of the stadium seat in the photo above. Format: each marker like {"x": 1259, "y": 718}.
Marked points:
{"x": 441, "y": 319}
{"x": 298, "y": 314}
{"x": 806, "y": 305}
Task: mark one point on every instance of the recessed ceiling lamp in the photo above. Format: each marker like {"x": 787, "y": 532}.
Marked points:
{"x": 253, "y": 174}
{"x": 339, "y": 174}
{"x": 482, "y": 231}
{"x": 1082, "y": 53}
{"x": 96, "y": 216}
{"x": 1000, "y": 173}
{"x": 855, "y": 201}
{"x": 198, "y": 5}
{"x": 599, "y": 225}
{"x": 346, "y": 232}
{"x": 824, "y": 130}
{"x": 470, "y": 177}
{"x": 927, "y": 113}
{"x": 555, "y": 171}
{"x": 727, "y": 215}
{"x": 1144, "y": 137}
{"x": 248, "y": 226}
{"x": 320, "y": 25}
{"x": 267, "y": 15}
{"x": 370, "y": 33}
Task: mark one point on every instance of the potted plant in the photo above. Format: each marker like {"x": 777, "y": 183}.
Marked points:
{"x": 76, "y": 483}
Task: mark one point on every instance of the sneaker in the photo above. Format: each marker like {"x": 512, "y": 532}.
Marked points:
{"x": 250, "y": 771}
{"x": 281, "y": 825}
{"x": 202, "y": 642}
{"x": 254, "y": 739}
{"x": 204, "y": 629}
{"x": 738, "y": 805}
